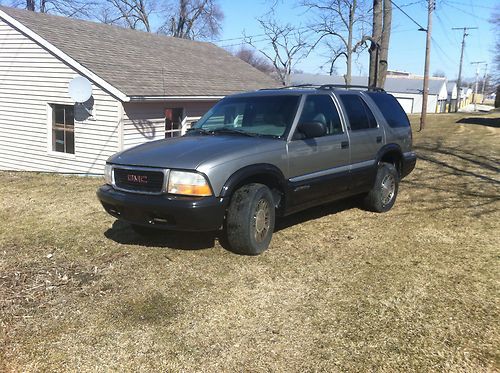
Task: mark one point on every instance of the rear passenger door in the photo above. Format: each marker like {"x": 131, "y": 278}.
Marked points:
{"x": 319, "y": 167}
{"x": 366, "y": 139}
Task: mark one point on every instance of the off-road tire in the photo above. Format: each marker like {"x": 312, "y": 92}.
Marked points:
{"x": 382, "y": 196}
{"x": 250, "y": 219}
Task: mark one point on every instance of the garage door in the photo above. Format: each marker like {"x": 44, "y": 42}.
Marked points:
{"x": 406, "y": 104}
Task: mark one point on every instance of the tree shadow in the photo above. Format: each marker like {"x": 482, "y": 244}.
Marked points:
{"x": 476, "y": 186}
{"x": 481, "y": 121}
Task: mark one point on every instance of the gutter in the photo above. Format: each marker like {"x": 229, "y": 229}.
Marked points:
{"x": 173, "y": 98}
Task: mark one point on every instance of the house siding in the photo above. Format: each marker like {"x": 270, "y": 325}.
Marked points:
{"x": 144, "y": 122}
{"x": 31, "y": 78}
{"x": 417, "y": 102}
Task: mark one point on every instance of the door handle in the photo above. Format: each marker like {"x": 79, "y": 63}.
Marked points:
{"x": 344, "y": 144}
{"x": 379, "y": 139}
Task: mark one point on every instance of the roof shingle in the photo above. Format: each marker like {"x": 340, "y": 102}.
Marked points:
{"x": 145, "y": 64}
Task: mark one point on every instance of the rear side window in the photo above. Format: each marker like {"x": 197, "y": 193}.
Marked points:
{"x": 320, "y": 108}
{"x": 359, "y": 114}
{"x": 391, "y": 109}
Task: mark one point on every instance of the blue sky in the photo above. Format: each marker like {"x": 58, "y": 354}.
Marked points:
{"x": 407, "y": 46}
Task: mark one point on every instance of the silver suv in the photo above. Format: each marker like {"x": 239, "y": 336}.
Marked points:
{"x": 258, "y": 155}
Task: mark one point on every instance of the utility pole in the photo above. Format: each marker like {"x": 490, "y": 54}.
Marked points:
{"x": 477, "y": 63}
{"x": 484, "y": 82}
{"x": 459, "y": 80}
{"x": 425, "y": 97}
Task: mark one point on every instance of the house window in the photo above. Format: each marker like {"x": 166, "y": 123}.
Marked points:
{"x": 63, "y": 129}
{"x": 173, "y": 122}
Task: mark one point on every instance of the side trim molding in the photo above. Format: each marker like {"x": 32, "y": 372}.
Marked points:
{"x": 332, "y": 171}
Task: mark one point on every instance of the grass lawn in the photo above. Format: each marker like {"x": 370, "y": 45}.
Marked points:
{"x": 415, "y": 289}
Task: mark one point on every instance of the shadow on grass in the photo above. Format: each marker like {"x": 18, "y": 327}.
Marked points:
{"x": 481, "y": 121}
{"x": 318, "y": 212}
{"x": 123, "y": 233}
{"x": 476, "y": 185}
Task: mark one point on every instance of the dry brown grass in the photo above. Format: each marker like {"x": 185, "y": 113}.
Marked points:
{"x": 415, "y": 289}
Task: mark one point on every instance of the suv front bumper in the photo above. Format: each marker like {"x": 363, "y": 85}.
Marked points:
{"x": 164, "y": 211}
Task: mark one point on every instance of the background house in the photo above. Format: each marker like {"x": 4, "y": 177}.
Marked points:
{"x": 451, "y": 88}
{"x": 145, "y": 87}
{"x": 405, "y": 87}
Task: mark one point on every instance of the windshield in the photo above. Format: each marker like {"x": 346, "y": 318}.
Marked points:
{"x": 258, "y": 116}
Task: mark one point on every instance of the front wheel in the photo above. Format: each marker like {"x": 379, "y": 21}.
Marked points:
{"x": 250, "y": 219}
{"x": 382, "y": 196}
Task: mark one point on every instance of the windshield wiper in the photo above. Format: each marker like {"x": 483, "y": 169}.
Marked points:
{"x": 233, "y": 131}
{"x": 200, "y": 130}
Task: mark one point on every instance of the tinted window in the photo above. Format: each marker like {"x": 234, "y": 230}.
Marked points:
{"x": 261, "y": 115}
{"x": 390, "y": 107}
{"x": 320, "y": 108}
{"x": 359, "y": 114}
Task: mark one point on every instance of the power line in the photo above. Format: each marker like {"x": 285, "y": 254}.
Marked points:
{"x": 443, "y": 53}
{"x": 466, "y": 12}
{"x": 406, "y": 14}
{"x": 444, "y": 28}
{"x": 467, "y": 5}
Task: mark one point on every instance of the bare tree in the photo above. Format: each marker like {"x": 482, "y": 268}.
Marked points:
{"x": 439, "y": 74}
{"x": 69, "y": 8}
{"x": 341, "y": 20}
{"x": 192, "y": 19}
{"x": 252, "y": 57}
{"x": 134, "y": 14}
{"x": 285, "y": 46}
{"x": 495, "y": 20}
{"x": 379, "y": 47}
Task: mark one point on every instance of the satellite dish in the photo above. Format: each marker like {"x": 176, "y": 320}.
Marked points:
{"x": 80, "y": 89}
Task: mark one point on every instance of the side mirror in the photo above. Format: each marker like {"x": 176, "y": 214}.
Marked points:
{"x": 312, "y": 129}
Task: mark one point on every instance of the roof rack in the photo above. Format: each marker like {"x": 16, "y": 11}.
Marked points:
{"x": 347, "y": 86}
{"x": 327, "y": 87}
{"x": 293, "y": 86}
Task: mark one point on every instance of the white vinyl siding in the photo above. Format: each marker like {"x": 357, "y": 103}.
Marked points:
{"x": 144, "y": 122}
{"x": 30, "y": 80}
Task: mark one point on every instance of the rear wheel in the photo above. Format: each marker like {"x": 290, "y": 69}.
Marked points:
{"x": 385, "y": 190}
{"x": 250, "y": 219}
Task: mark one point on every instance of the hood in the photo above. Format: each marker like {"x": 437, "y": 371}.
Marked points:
{"x": 189, "y": 152}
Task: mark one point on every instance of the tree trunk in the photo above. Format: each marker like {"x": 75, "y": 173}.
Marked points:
{"x": 30, "y": 5}
{"x": 377, "y": 36}
{"x": 384, "y": 43}
{"x": 348, "y": 75}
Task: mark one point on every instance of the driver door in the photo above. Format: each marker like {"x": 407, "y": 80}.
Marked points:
{"x": 319, "y": 167}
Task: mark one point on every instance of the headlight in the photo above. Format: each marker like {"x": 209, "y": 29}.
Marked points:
{"x": 188, "y": 183}
{"x": 108, "y": 174}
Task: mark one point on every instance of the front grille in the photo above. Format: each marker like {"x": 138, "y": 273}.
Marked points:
{"x": 144, "y": 181}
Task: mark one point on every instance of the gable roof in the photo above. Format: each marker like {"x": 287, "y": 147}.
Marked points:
{"x": 392, "y": 84}
{"x": 142, "y": 64}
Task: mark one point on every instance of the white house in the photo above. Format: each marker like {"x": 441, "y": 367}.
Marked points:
{"x": 406, "y": 88}
{"x": 145, "y": 87}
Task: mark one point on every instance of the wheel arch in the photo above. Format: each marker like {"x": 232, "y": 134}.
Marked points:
{"x": 391, "y": 153}
{"x": 262, "y": 173}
